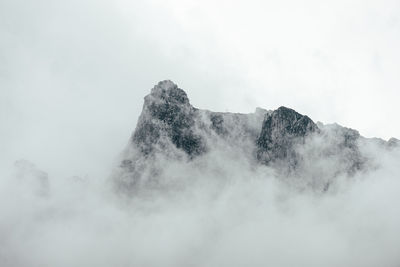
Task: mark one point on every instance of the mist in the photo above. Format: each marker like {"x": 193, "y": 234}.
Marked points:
{"x": 72, "y": 80}
{"x": 218, "y": 210}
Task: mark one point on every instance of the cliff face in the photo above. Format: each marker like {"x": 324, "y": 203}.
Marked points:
{"x": 170, "y": 127}
{"x": 280, "y": 131}
{"x": 167, "y": 116}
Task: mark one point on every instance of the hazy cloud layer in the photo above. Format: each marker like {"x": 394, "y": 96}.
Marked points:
{"x": 72, "y": 79}
{"x": 217, "y": 210}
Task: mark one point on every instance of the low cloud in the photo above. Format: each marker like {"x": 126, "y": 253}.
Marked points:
{"x": 217, "y": 210}
{"x": 73, "y": 76}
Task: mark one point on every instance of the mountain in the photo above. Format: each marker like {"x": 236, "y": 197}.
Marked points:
{"x": 169, "y": 127}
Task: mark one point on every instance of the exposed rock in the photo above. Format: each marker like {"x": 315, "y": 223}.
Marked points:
{"x": 169, "y": 127}
{"x": 280, "y": 132}
{"x": 167, "y": 116}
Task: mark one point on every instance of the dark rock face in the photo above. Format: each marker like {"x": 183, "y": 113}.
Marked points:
{"x": 168, "y": 117}
{"x": 169, "y": 127}
{"x": 167, "y": 114}
{"x": 280, "y": 131}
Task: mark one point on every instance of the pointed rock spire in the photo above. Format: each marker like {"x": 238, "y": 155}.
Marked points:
{"x": 167, "y": 116}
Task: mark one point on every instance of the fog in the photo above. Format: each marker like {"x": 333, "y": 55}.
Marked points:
{"x": 73, "y": 75}
{"x": 220, "y": 209}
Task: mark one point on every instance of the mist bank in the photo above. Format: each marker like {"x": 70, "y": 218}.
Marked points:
{"x": 217, "y": 211}
{"x": 219, "y": 205}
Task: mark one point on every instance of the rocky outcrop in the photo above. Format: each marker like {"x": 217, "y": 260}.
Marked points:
{"x": 280, "y": 131}
{"x": 167, "y": 116}
{"x": 170, "y": 127}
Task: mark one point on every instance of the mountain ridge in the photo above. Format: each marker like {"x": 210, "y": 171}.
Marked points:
{"x": 169, "y": 125}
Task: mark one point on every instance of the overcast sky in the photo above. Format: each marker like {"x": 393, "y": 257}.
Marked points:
{"x": 73, "y": 74}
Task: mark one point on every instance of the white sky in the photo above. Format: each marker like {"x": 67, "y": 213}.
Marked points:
{"x": 73, "y": 74}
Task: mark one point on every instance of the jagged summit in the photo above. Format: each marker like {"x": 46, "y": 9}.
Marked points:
{"x": 167, "y": 116}
{"x": 169, "y": 126}
{"x": 168, "y": 91}
{"x": 279, "y": 130}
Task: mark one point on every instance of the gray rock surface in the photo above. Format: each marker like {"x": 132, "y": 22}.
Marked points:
{"x": 280, "y": 131}
{"x": 169, "y": 127}
{"x": 167, "y": 116}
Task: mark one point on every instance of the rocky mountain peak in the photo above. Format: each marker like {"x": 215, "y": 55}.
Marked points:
{"x": 167, "y": 92}
{"x": 170, "y": 127}
{"x": 291, "y": 122}
{"x": 167, "y": 116}
{"x": 280, "y": 131}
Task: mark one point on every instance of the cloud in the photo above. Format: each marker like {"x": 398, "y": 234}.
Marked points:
{"x": 217, "y": 210}
{"x": 67, "y": 65}
{"x": 73, "y": 76}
